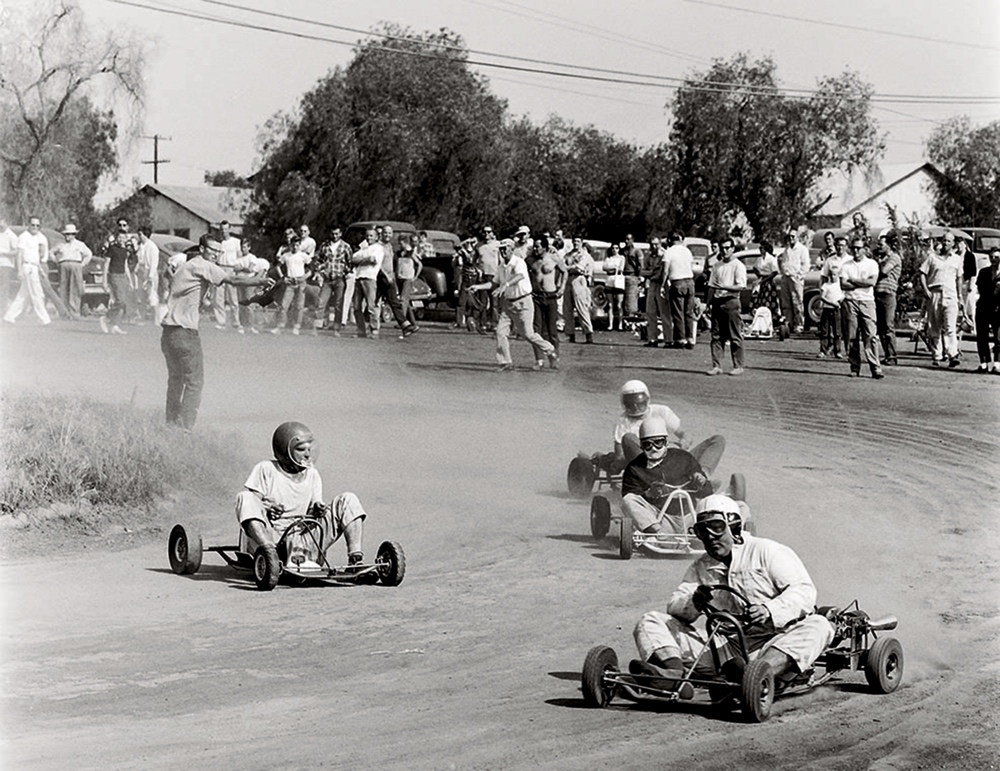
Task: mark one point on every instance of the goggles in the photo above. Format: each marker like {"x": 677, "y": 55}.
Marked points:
{"x": 714, "y": 527}
{"x": 654, "y": 443}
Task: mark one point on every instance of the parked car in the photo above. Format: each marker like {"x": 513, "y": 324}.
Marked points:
{"x": 983, "y": 239}
{"x": 811, "y": 304}
{"x": 424, "y": 291}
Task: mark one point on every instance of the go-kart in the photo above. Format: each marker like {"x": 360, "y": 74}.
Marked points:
{"x": 678, "y": 511}
{"x": 587, "y": 470}
{"x": 300, "y": 556}
{"x": 728, "y": 683}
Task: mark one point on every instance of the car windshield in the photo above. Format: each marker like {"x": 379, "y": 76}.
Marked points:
{"x": 987, "y": 242}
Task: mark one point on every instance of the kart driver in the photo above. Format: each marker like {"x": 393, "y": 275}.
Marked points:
{"x": 634, "y": 397}
{"x": 784, "y": 630}
{"x": 657, "y": 471}
{"x": 280, "y": 491}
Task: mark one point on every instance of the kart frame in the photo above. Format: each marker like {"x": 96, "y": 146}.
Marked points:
{"x": 855, "y": 646}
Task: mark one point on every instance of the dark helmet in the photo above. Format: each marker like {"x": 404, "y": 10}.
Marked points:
{"x": 284, "y": 436}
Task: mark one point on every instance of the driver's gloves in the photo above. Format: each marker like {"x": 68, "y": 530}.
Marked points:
{"x": 701, "y": 598}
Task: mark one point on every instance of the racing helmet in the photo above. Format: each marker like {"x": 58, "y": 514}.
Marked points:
{"x": 653, "y": 426}
{"x": 284, "y": 437}
{"x": 718, "y": 506}
{"x": 635, "y": 398}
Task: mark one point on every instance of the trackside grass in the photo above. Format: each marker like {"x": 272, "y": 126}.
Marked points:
{"x": 77, "y": 464}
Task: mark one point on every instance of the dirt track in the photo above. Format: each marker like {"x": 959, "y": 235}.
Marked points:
{"x": 888, "y": 491}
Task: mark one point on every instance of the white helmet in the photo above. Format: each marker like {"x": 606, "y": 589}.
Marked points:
{"x": 721, "y": 507}
{"x": 635, "y": 398}
{"x": 652, "y": 426}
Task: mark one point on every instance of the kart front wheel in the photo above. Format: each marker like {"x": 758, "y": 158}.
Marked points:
{"x": 184, "y": 551}
{"x": 884, "y": 665}
{"x": 599, "y": 662}
{"x": 757, "y": 691}
{"x": 391, "y": 563}
{"x": 600, "y": 517}
{"x": 580, "y": 477}
{"x": 625, "y": 543}
{"x": 266, "y": 568}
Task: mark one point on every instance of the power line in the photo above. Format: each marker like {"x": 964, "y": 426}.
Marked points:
{"x": 611, "y": 76}
{"x": 856, "y": 28}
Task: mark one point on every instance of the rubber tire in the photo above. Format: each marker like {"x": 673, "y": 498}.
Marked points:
{"x": 813, "y": 307}
{"x": 391, "y": 562}
{"x": 184, "y": 551}
{"x": 737, "y": 489}
{"x": 625, "y": 541}
{"x": 266, "y": 569}
{"x": 757, "y": 691}
{"x": 580, "y": 477}
{"x": 600, "y": 517}
{"x": 600, "y": 659}
{"x": 884, "y": 665}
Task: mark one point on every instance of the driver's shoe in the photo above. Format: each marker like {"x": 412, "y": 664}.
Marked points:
{"x": 662, "y": 679}
{"x": 355, "y": 558}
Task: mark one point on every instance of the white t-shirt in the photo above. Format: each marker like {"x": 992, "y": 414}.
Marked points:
{"x": 368, "y": 270}
{"x": 294, "y": 492}
{"x": 629, "y": 425}
{"x": 72, "y": 251}
{"x": 295, "y": 263}
{"x": 853, "y": 269}
{"x": 8, "y": 248}
{"x": 678, "y": 263}
{"x": 230, "y": 252}
{"x": 34, "y": 248}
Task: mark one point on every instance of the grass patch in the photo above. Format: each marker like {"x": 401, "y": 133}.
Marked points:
{"x": 78, "y": 466}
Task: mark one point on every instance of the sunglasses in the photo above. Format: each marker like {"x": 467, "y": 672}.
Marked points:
{"x": 715, "y": 527}
{"x": 654, "y": 443}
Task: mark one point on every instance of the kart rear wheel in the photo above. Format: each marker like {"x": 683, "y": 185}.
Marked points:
{"x": 266, "y": 568}
{"x": 625, "y": 542}
{"x": 884, "y": 665}
{"x": 600, "y": 517}
{"x": 757, "y": 691}
{"x": 580, "y": 477}
{"x": 184, "y": 551}
{"x": 600, "y": 660}
{"x": 391, "y": 563}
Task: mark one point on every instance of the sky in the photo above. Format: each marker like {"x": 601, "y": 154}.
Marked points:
{"x": 211, "y": 86}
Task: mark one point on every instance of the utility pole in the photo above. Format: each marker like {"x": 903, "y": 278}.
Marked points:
{"x": 156, "y": 155}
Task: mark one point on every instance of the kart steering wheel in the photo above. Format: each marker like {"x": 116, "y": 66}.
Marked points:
{"x": 744, "y": 611}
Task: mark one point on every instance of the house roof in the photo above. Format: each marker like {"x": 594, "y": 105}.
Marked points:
{"x": 212, "y": 204}
{"x": 846, "y": 193}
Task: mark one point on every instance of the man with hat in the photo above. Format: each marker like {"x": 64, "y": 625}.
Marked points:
{"x": 180, "y": 341}
{"x": 783, "y": 628}
{"x": 72, "y": 256}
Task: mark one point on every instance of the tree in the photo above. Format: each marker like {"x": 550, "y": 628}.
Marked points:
{"x": 739, "y": 145}
{"x": 56, "y": 143}
{"x": 225, "y": 178}
{"x": 970, "y": 160}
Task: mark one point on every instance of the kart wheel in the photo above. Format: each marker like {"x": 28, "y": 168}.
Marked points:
{"x": 391, "y": 563}
{"x": 600, "y": 660}
{"x": 884, "y": 665}
{"x": 184, "y": 551}
{"x": 757, "y": 691}
{"x": 580, "y": 477}
{"x": 600, "y": 517}
{"x": 266, "y": 568}
{"x": 625, "y": 542}
{"x": 737, "y": 487}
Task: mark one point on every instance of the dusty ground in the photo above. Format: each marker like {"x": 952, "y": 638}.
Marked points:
{"x": 887, "y": 490}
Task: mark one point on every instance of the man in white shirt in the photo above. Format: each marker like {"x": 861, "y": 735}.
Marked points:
{"x": 32, "y": 254}
{"x": 512, "y": 288}
{"x": 8, "y": 271}
{"x": 941, "y": 282}
{"x": 147, "y": 273}
{"x": 678, "y": 278}
{"x": 307, "y": 243}
{"x": 726, "y": 283}
{"x": 225, "y": 296}
{"x": 72, "y": 256}
{"x": 577, "y": 298}
{"x": 794, "y": 264}
{"x": 857, "y": 279}
{"x": 367, "y": 261}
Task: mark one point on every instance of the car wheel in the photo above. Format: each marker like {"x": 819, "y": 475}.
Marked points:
{"x": 757, "y": 691}
{"x": 599, "y": 662}
{"x": 391, "y": 563}
{"x": 184, "y": 551}
{"x": 580, "y": 477}
{"x": 600, "y": 517}
{"x": 625, "y": 542}
{"x": 598, "y": 298}
{"x": 814, "y": 308}
{"x": 884, "y": 665}
{"x": 266, "y": 568}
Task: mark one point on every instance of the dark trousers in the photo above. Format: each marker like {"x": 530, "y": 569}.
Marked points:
{"x": 331, "y": 298}
{"x": 386, "y": 290}
{"x": 547, "y": 316}
{"x": 727, "y": 325}
{"x": 185, "y": 374}
{"x": 829, "y": 329}
{"x": 987, "y": 330}
{"x": 885, "y": 323}
{"x": 681, "y": 296}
